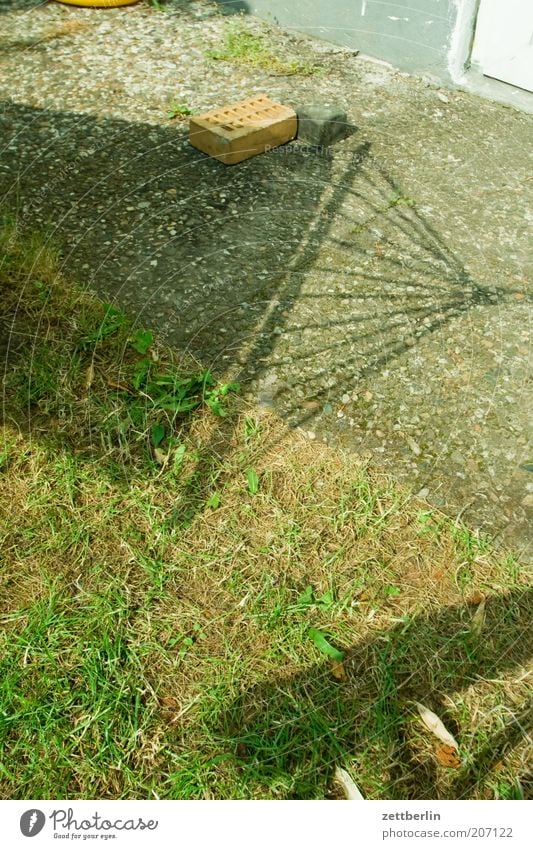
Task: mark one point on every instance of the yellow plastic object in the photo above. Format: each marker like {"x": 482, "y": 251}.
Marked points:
{"x": 100, "y": 3}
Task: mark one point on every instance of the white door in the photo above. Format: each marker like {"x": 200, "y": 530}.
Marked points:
{"x": 503, "y": 41}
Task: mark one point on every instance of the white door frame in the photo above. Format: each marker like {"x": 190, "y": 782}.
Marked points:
{"x": 470, "y": 77}
{"x": 463, "y": 38}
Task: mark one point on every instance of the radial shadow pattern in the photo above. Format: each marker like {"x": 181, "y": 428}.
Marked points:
{"x": 311, "y": 275}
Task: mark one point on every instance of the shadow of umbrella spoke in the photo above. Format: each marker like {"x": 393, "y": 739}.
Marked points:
{"x": 294, "y": 730}
{"x": 284, "y": 290}
{"x": 497, "y": 748}
{"x": 233, "y": 265}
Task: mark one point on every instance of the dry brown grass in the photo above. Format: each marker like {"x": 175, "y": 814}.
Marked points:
{"x": 156, "y": 619}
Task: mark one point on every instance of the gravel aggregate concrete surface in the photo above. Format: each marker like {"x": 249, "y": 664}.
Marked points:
{"x": 375, "y": 293}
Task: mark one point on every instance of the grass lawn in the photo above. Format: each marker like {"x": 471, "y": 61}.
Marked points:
{"x": 197, "y": 603}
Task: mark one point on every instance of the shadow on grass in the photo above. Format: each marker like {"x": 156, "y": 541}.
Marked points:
{"x": 292, "y": 731}
{"x": 217, "y": 258}
{"x": 135, "y": 210}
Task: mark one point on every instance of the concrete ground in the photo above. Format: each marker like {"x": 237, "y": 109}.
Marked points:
{"x": 376, "y": 294}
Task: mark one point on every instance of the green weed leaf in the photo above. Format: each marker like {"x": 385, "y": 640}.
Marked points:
{"x": 214, "y": 500}
{"x": 213, "y": 402}
{"x": 307, "y": 597}
{"x": 179, "y": 455}
{"x": 158, "y": 435}
{"x": 177, "y": 109}
{"x": 324, "y": 646}
{"x": 253, "y": 481}
{"x": 142, "y": 340}
{"x": 326, "y": 600}
{"x": 112, "y": 321}
{"x": 141, "y": 372}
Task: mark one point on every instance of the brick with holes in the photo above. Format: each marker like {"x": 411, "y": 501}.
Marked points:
{"x": 244, "y": 129}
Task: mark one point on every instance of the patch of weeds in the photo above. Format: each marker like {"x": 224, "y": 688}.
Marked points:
{"x": 152, "y": 401}
{"x": 179, "y": 110}
{"x": 169, "y": 391}
{"x": 185, "y": 642}
{"x": 243, "y": 47}
{"x": 400, "y": 200}
{"x": 113, "y": 320}
{"x": 469, "y": 545}
{"x": 240, "y": 45}
{"x": 285, "y": 608}
{"x": 142, "y": 341}
{"x": 360, "y": 507}
{"x": 213, "y": 395}
{"x": 509, "y": 790}
{"x": 428, "y": 524}
{"x": 396, "y": 200}
{"x": 159, "y": 7}
{"x": 252, "y": 428}
{"x": 309, "y": 598}
{"x": 92, "y": 366}
{"x": 157, "y": 434}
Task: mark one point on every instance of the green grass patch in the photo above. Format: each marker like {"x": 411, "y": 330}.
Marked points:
{"x": 197, "y": 603}
{"x": 243, "y": 47}
{"x": 81, "y": 363}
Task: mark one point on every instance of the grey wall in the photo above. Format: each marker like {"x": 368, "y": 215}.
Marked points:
{"x": 413, "y": 35}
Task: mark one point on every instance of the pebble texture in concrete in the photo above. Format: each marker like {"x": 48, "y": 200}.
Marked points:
{"x": 374, "y": 293}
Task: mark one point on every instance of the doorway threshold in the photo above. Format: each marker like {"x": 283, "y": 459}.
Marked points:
{"x": 477, "y": 83}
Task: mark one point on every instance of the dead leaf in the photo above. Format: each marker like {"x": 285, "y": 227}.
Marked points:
{"x": 338, "y": 671}
{"x": 478, "y": 619}
{"x": 121, "y": 386}
{"x": 169, "y": 702}
{"x": 476, "y": 597}
{"x": 448, "y": 756}
{"x": 89, "y": 376}
{"x": 350, "y": 788}
{"x": 160, "y": 457}
{"x": 436, "y": 726}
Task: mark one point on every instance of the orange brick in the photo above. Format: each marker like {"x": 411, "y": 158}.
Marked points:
{"x": 244, "y": 129}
